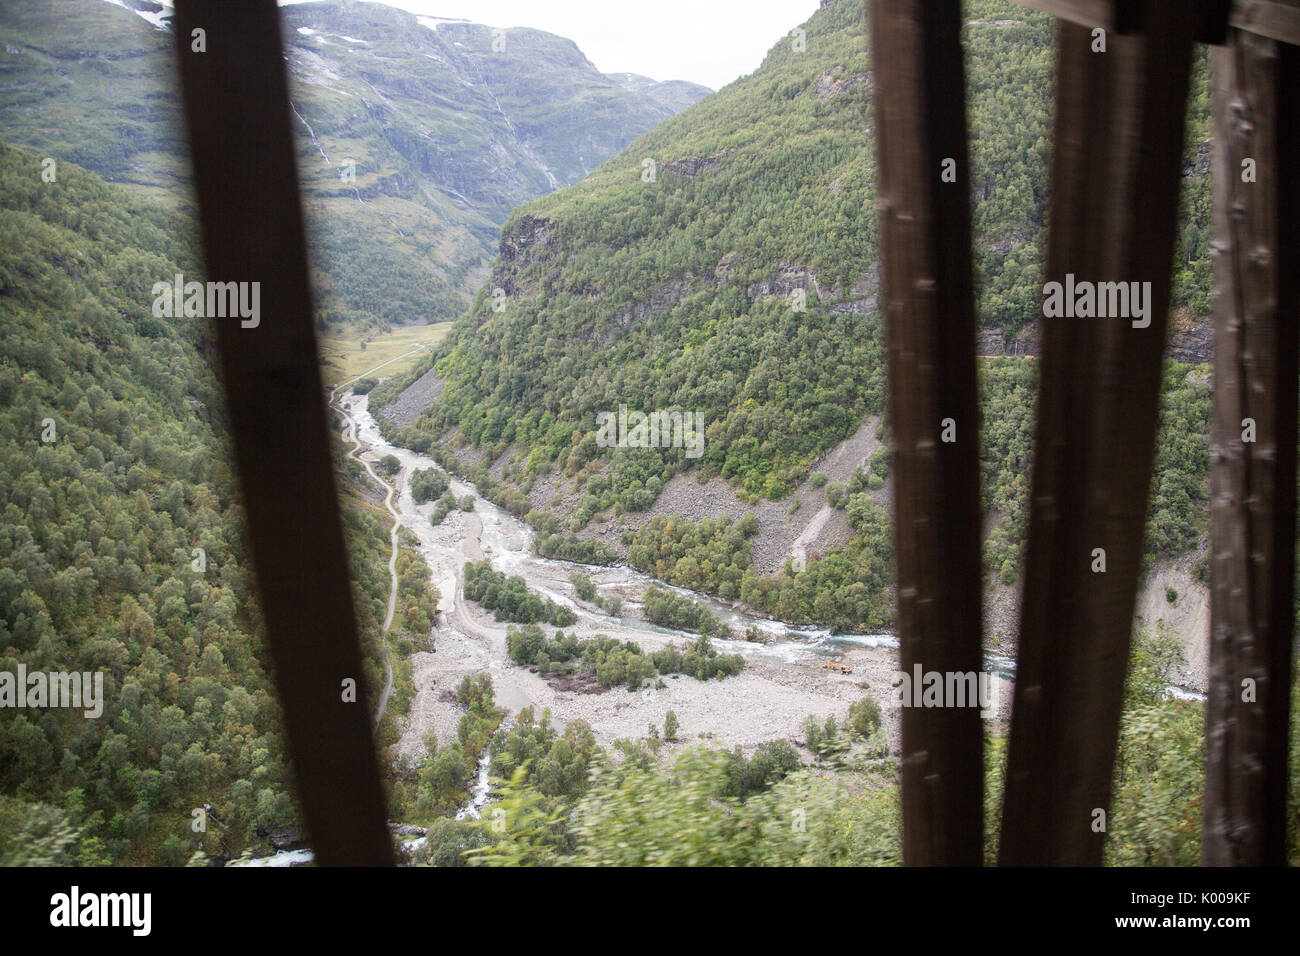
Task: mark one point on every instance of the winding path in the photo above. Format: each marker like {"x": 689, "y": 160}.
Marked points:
{"x": 350, "y": 434}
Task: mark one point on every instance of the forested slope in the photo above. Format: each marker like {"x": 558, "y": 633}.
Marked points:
{"x": 114, "y": 468}
{"x": 726, "y": 263}
{"x": 414, "y": 137}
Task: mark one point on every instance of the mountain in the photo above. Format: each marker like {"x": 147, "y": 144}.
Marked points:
{"x": 726, "y": 264}
{"x": 416, "y": 136}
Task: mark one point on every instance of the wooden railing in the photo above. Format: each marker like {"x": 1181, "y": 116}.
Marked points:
{"x": 1115, "y": 177}
{"x": 1115, "y": 174}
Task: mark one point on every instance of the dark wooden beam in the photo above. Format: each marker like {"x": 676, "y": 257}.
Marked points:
{"x": 1130, "y": 16}
{"x": 1275, "y": 19}
{"x": 925, "y": 230}
{"x": 1121, "y": 16}
{"x": 237, "y": 113}
{"x": 1115, "y": 177}
{"x": 1253, "y": 511}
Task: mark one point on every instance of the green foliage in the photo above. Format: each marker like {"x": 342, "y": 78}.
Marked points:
{"x": 614, "y": 662}
{"x": 772, "y": 762}
{"x": 446, "y": 842}
{"x": 98, "y": 567}
{"x": 388, "y": 466}
{"x": 426, "y": 484}
{"x": 1155, "y": 817}
{"x": 557, "y": 765}
{"x": 509, "y": 599}
{"x": 445, "y": 506}
{"x": 1152, "y": 661}
{"x": 637, "y": 815}
{"x": 582, "y": 586}
{"x": 678, "y": 611}
{"x": 864, "y": 717}
{"x": 570, "y": 547}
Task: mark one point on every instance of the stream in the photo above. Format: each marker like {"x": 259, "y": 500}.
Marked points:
{"x": 506, "y": 541}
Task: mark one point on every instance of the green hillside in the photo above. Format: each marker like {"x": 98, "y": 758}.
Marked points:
{"x": 414, "y": 142}
{"x": 114, "y": 468}
{"x": 681, "y": 291}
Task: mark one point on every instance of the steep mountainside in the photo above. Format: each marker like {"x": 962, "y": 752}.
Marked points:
{"x": 122, "y": 544}
{"x": 726, "y": 264}
{"x": 416, "y": 136}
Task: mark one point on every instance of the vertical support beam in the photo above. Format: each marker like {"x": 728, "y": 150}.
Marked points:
{"x": 926, "y": 252}
{"x": 237, "y": 112}
{"x": 1115, "y": 177}
{"x": 1252, "y": 532}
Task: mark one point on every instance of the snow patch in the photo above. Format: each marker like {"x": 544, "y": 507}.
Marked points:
{"x": 158, "y": 20}
{"x": 434, "y": 22}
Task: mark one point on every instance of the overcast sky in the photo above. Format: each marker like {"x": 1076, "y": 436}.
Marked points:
{"x": 707, "y": 41}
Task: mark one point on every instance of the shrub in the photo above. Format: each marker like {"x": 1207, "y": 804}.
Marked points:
{"x": 428, "y": 484}
{"x": 864, "y": 717}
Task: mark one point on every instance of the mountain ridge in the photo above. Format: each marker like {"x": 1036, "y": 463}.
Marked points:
{"x": 438, "y": 132}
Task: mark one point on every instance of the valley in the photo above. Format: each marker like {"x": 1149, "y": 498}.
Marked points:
{"x": 509, "y": 248}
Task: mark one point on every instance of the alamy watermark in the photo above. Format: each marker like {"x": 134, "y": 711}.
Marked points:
{"x": 656, "y": 430}
{"x": 78, "y": 690}
{"x": 213, "y": 300}
{"x": 1099, "y": 300}
{"x": 924, "y": 688}
{"x": 75, "y": 908}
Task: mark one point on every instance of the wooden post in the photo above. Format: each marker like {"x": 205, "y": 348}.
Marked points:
{"x": 1253, "y": 454}
{"x": 924, "y": 202}
{"x": 237, "y": 112}
{"x": 1115, "y": 177}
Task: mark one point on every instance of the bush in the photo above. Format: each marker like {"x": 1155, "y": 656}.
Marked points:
{"x": 880, "y": 461}
{"x": 678, "y": 611}
{"x": 389, "y": 466}
{"x": 446, "y": 504}
{"x": 836, "y": 494}
{"x": 509, "y": 599}
{"x": 582, "y": 586}
{"x": 446, "y": 841}
{"x": 428, "y": 484}
{"x": 670, "y": 726}
{"x": 864, "y": 718}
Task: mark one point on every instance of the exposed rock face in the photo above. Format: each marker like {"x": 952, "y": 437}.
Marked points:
{"x": 1190, "y": 340}
{"x": 990, "y": 341}
{"x": 1193, "y": 344}
{"x": 415, "y": 398}
{"x": 529, "y": 242}
{"x": 690, "y": 166}
{"x": 834, "y": 82}
{"x": 788, "y": 277}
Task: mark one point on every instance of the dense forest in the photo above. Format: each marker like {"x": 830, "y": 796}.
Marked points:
{"x": 122, "y": 544}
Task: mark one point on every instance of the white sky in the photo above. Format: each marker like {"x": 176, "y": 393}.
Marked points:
{"x": 706, "y": 41}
